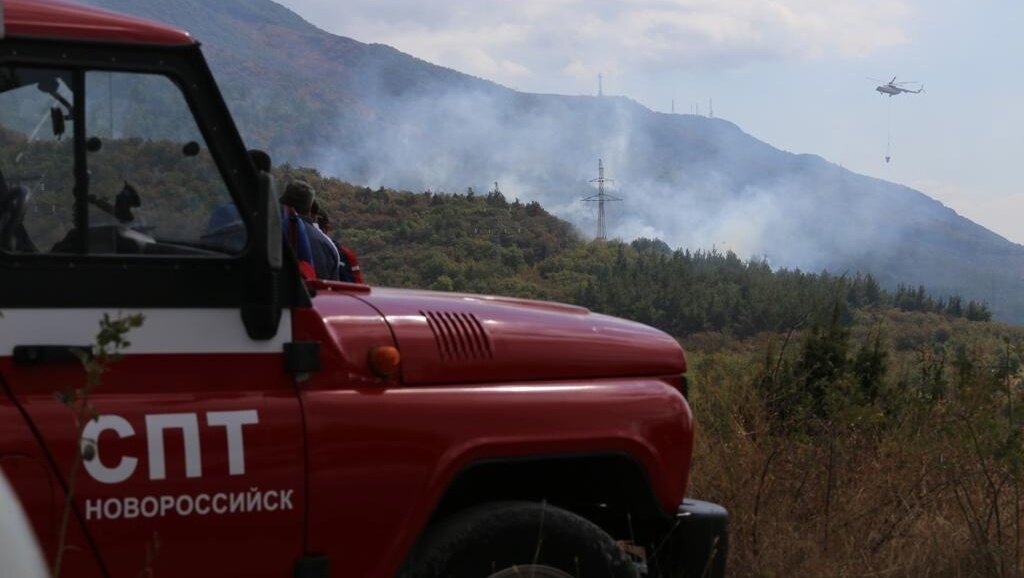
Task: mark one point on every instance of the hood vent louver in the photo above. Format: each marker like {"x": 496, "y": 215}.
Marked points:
{"x": 459, "y": 336}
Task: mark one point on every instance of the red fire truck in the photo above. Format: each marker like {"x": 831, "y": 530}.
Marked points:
{"x": 260, "y": 424}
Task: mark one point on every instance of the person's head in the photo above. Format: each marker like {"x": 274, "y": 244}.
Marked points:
{"x": 299, "y": 196}
{"x": 260, "y": 159}
{"x": 321, "y": 217}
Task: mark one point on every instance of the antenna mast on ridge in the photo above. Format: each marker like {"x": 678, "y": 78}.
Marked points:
{"x": 600, "y": 83}
{"x": 600, "y": 198}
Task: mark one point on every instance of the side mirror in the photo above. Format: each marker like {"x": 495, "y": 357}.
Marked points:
{"x": 262, "y": 313}
{"x": 57, "y": 121}
{"x": 271, "y": 215}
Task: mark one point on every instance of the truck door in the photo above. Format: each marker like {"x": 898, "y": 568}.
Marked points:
{"x": 115, "y": 202}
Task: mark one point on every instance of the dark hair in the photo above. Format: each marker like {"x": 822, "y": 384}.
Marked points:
{"x": 260, "y": 159}
{"x": 299, "y": 195}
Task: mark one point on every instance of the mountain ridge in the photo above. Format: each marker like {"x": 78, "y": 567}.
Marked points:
{"x": 378, "y": 117}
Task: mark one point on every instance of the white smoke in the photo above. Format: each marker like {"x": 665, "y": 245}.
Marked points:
{"x": 693, "y": 182}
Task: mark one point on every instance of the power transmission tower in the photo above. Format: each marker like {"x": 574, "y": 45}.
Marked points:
{"x": 601, "y": 198}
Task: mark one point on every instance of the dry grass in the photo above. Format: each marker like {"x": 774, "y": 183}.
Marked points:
{"x": 933, "y": 488}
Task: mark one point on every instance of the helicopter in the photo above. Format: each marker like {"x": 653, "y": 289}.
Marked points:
{"x": 892, "y": 88}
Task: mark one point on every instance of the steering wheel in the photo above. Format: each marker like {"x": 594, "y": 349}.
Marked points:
{"x": 12, "y": 214}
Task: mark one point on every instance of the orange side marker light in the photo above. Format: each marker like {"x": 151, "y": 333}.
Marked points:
{"x": 384, "y": 360}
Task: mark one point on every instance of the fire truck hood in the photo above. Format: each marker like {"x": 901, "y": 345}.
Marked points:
{"x": 447, "y": 338}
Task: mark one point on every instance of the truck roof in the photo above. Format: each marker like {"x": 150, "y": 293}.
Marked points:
{"x": 66, "y": 20}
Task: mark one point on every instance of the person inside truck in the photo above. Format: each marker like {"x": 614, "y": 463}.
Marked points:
{"x": 299, "y": 196}
{"x": 13, "y": 204}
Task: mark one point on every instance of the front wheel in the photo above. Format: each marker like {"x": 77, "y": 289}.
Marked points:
{"x": 517, "y": 540}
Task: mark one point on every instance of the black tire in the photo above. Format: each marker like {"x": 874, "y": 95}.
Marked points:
{"x": 525, "y": 539}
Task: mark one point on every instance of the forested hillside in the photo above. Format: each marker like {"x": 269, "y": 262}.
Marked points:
{"x": 850, "y": 430}
{"x": 482, "y": 242}
{"x": 374, "y": 116}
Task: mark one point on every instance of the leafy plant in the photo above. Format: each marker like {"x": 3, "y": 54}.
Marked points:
{"x": 107, "y": 349}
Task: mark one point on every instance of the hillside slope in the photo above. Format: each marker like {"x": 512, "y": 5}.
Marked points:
{"x": 376, "y": 116}
{"x": 482, "y": 243}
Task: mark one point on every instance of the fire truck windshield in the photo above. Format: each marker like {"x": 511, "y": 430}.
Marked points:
{"x": 149, "y": 185}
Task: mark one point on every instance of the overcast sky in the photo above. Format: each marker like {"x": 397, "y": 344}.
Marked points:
{"x": 793, "y": 73}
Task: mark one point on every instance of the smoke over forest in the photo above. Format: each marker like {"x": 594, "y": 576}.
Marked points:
{"x": 691, "y": 181}
{"x": 374, "y": 116}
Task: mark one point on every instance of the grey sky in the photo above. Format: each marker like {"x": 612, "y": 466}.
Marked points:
{"x": 790, "y": 72}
